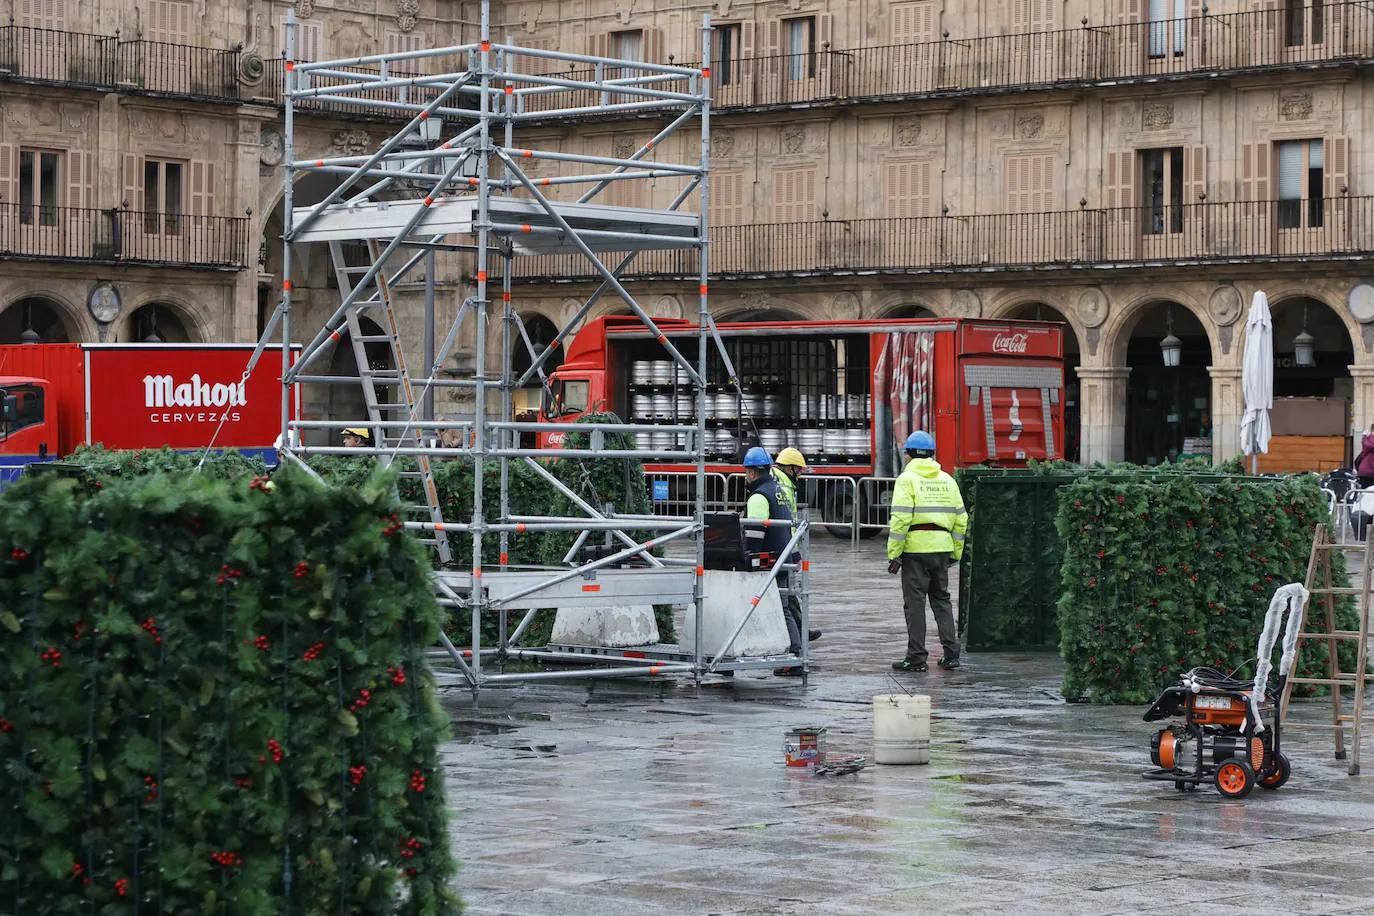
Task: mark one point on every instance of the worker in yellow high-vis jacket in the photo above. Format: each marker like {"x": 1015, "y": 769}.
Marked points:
{"x": 926, "y": 534}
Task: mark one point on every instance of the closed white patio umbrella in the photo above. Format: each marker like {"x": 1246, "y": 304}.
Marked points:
{"x": 1257, "y": 380}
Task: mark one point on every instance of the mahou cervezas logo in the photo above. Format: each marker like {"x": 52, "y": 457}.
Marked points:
{"x": 192, "y": 401}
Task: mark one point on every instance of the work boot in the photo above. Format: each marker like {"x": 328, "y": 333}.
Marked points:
{"x": 794, "y": 671}
{"x": 949, "y": 664}
{"x": 907, "y": 664}
{"x": 813, "y": 635}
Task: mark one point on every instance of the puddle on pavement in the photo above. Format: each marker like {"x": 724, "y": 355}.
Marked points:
{"x": 469, "y": 732}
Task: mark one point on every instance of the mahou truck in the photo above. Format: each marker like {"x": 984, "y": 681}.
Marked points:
{"x": 55, "y": 397}
{"x": 845, "y": 393}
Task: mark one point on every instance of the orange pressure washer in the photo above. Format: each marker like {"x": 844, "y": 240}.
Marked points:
{"x": 1229, "y": 731}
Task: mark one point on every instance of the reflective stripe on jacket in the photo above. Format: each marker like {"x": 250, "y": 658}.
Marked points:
{"x": 787, "y": 490}
{"x": 927, "y": 512}
{"x": 764, "y": 502}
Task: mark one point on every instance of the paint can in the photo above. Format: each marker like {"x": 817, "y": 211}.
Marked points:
{"x": 803, "y": 746}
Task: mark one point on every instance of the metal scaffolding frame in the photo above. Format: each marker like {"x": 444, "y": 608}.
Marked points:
{"x": 431, "y": 187}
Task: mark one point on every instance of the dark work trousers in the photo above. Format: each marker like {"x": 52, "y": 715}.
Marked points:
{"x": 927, "y": 575}
{"x": 791, "y": 613}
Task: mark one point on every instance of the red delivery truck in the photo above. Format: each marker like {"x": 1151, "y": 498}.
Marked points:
{"x": 55, "y": 397}
{"x": 846, "y": 393}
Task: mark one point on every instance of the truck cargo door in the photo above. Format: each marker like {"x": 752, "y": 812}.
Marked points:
{"x": 1012, "y": 413}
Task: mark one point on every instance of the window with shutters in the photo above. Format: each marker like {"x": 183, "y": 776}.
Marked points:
{"x": 906, "y": 188}
{"x": 1161, "y": 172}
{"x": 1028, "y": 182}
{"x": 169, "y": 21}
{"x": 42, "y": 14}
{"x": 628, "y": 45}
{"x": 725, "y": 67}
{"x": 1034, "y": 15}
{"x": 1301, "y": 168}
{"x": 1304, "y": 22}
{"x": 163, "y": 196}
{"x": 913, "y": 23}
{"x": 396, "y": 42}
{"x": 1168, "y": 24}
{"x": 728, "y": 199}
{"x": 39, "y": 173}
{"x": 794, "y": 195}
{"x": 309, "y": 40}
{"x": 799, "y": 44}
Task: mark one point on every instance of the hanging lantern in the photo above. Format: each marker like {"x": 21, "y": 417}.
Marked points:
{"x": 1304, "y": 345}
{"x": 1171, "y": 347}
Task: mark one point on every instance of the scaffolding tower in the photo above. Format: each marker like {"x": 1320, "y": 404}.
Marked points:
{"x": 454, "y": 179}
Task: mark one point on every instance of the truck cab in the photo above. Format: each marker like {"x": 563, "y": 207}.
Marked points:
{"x": 28, "y": 422}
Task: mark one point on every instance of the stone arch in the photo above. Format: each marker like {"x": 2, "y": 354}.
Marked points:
{"x": 1126, "y": 316}
{"x": 1332, "y": 340}
{"x": 50, "y": 319}
{"x": 1336, "y": 311}
{"x": 907, "y": 310}
{"x": 162, "y": 319}
{"x": 1168, "y": 408}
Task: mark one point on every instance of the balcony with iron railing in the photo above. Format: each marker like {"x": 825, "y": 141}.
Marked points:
{"x": 1318, "y": 36}
{"x": 43, "y": 233}
{"x": 1340, "y": 228}
{"x": 109, "y": 63}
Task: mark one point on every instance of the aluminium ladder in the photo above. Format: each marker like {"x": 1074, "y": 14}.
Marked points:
{"x": 1337, "y": 680}
{"x": 404, "y": 407}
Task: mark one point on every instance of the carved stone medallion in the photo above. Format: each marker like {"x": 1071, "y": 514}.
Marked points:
{"x": 1296, "y": 106}
{"x": 1157, "y": 116}
{"x": 1224, "y": 305}
{"x": 1093, "y": 307}
{"x": 964, "y": 303}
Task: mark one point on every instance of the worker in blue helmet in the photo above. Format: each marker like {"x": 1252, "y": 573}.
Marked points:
{"x": 765, "y": 503}
{"x": 925, "y": 535}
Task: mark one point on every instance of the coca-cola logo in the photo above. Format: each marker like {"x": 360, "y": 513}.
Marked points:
{"x": 1010, "y": 343}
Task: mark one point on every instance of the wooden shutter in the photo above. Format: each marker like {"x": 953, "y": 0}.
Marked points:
{"x": 1256, "y": 160}
{"x": 727, "y": 199}
{"x": 746, "y": 39}
{"x": 202, "y": 187}
{"x": 1268, "y": 32}
{"x": 1194, "y": 175}
{"x": 133, "y": 181}
{"x": 906, "y": 186}
{"x": 772, "y": 50}
{"x": 42, "y": 14}
{"x": 1028, "y": 182}
{"x": 912, "y": 23}
{"x": 653, "y": 50}
{"x": 1034, "y": 15}
{"x": 794, "y": 195}
{"x": 9, "y": 174}
{"x": 599, "y": 44}
{"x": 1120, "y": 183}
{"x": 1336, "y": 177}
{"x": 309, "y": 39}
{"x": 169, "y": 21}
{"x": 80, "y": 191}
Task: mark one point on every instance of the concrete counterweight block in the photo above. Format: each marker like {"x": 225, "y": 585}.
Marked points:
{"x": 728, "y": 593}
{"x": 613, "y": 627}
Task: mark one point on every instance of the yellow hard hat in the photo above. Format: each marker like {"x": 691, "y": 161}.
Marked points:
{"x": 358, "y": 431}
{"x": 790, "y": 456}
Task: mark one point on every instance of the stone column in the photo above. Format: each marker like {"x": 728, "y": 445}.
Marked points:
{"x": 240, "y": 323}
{"x": 1102, "y": 409}
{"x": 1228, "y": 406}
{"x": 1362, "y": 405}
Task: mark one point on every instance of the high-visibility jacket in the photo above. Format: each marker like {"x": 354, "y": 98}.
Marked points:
{"x": 787, "y": 490}
{"x": 927, "y": 512}
{"x": 764, "y": 502}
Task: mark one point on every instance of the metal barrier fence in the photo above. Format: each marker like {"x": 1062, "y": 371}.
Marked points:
{"x": 875, "y": 505}
{"x": 674, "y": 493}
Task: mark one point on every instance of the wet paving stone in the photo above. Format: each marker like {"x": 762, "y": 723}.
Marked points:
{"x": 616, "y": 797}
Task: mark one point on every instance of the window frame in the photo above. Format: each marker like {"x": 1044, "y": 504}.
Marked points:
{"x": 795, "y": 62}
{"x": 161, "y": 220}
{"x": 36, "y": 212}
{"x": 1308, "y": 210}
{"x": 1162, "y": 213}
{"x": 727, "y": 46}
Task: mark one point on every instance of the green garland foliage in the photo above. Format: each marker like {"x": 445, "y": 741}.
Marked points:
{"x": 1169, "y": 571}
{"x": 216, "y": 700}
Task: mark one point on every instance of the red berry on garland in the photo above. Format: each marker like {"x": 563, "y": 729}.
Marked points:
{"x": 302, "y": 570}
{"x": 6, "y": 726}
{"x": 122, "y": 887}
{"x": 19, "y": 554}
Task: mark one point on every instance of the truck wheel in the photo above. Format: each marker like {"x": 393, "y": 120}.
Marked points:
{"x": 838, "y": 513}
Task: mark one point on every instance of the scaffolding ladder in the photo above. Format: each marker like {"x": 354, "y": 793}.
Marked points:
{"x": 393, "y": 418}
{"x": 1337, "y": 680}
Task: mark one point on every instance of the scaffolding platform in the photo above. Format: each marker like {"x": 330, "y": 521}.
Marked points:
{"x": 532, "y": 229}
{"x": 535, "y": 589}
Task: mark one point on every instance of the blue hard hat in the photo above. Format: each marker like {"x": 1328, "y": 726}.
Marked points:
{"x": 757, "y": 457}
{"x": 920, "y": 441}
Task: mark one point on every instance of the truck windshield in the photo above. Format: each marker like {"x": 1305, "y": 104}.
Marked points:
{"x": 569, "y": 397}
{"x": 22, "y": 407}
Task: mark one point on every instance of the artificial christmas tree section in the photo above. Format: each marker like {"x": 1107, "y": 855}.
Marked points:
{"x": 218, "y": 701}
{"x": 1165, "y": 573}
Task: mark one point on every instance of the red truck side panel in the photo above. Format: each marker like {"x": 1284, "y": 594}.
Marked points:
{"x": 61, "y": 366}
{"x": 1011, "y": 383}
{"x": 177, "y": 395}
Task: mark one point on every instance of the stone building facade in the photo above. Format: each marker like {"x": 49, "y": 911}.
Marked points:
{"x": 1132, "y": 172}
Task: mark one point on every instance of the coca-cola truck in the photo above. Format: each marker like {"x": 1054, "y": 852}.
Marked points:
{"x": 846, "y": 393}
{"x": 55, "y": 397}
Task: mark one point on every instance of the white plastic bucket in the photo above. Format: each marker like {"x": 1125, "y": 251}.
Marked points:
{"x": 901, "y": 728}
